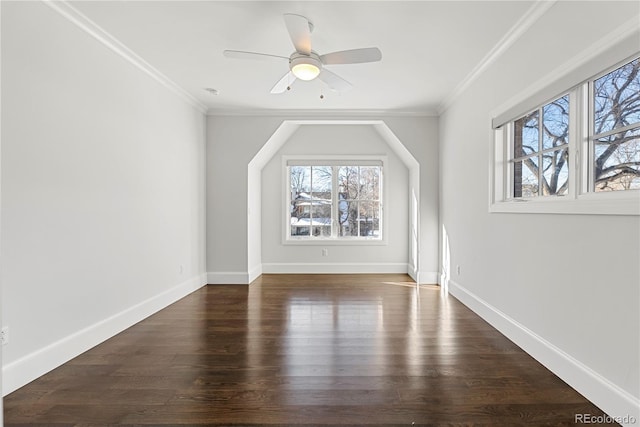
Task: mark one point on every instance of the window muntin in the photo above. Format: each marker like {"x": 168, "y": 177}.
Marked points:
{"x": 539, "y": 164}
{"x": 334, "y": 201}
{"x": 615, "y": 130}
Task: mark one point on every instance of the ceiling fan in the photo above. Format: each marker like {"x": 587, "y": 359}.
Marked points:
{"x": 306, "y": 64}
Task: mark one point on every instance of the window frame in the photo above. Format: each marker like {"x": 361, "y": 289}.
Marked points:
{"x": 580, "y": 198}
{"x": 333, "y": 161}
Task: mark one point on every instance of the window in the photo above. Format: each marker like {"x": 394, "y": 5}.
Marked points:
{"x": 561, "y": 156}
{"x": 615, "y": 136}
{"x": 336, "y": 200}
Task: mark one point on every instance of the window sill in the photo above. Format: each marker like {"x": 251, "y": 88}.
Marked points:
{"x": 587, "y": 204}
{"x": 335, "y": 242}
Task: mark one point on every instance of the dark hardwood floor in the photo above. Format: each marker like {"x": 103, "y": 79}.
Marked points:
{"x": 303, "y": 350}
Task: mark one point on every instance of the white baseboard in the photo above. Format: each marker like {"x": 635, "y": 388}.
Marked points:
{"x": 254, "y": 273}
{"x": 334, "y": 268}
{"x": 26, "y": 369}
{"x": 612, "y": 399}
{"x": 244, "y": 278}
{"x": 228, "y": 278}
{"x": 427, "y": 277}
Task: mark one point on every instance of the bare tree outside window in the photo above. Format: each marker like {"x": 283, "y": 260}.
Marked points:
{"x": 541, "y": 151}
{"x": 616, "y": 133}
{"x": 578, "y": 145}
{"x": 540, "y": 155}
{"x": 299, "y": 179}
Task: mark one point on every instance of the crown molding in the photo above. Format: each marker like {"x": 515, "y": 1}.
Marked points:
{"x": 630, "y": 28}
{"x": 316, "y": 113}
{"x": 87, "y": 25}
{"x": 534, "y": 13}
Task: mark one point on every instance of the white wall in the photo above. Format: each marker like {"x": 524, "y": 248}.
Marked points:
{"x": 233, "y": 141}
{"x": 336, "y": 140}
{"x": 102, "y": 192}
{"x": 420, "y": 137}
{"x": 1, "y": 400}
{"x": 564, "y": 287}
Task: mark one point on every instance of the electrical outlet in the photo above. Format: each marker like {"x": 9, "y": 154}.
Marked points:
{"x": 325, "y": 252}
{"x": 4, "y": 335}
{"x": 458, "y": 269}
{"x": 181, "y": 268}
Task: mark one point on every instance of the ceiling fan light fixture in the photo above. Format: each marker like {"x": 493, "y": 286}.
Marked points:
{"x": 305, "y": 67}
{"x": 305, "y": 71}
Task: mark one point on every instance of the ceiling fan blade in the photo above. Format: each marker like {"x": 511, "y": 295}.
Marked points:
{"x": 334, "y": 81}
{"x": 353, "y": 56}
{"x": 239, "y": 54}
{"x": 300, "y": 32}
{"x": 284, "y": 83}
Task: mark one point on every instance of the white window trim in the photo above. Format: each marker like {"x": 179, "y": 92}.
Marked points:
{"x": 579, "y": 199}
{"x": 333, "y": 159}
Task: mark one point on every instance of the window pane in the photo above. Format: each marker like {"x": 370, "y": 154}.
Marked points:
{"x": 555, "y": 172}
{"x": 321, "y": 182}
{"x": 348, "y": 218}
{"x": 617, "y": 161}
{"x": 555, "y": 123}
{"x": 300, "y": 208}
{"x": 369, "y": 219}
{"x": 322, "y": 231}
{"x": 617, "y": 98}
{"x": 525, "y": 177}
{"x": 299, "y": 227}
{"x": 369, "y": 183}
{"x": 300, "y": 179}
{"x": 348, "y": 182}
{"x": 525, "y": 139}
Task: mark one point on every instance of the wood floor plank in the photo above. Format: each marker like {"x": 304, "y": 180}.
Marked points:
{"x": 303, "y": 350}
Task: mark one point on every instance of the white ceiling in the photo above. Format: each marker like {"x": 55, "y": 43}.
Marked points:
{"x": 428, "y": 47}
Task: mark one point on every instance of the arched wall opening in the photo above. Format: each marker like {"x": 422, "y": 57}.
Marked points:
{"x": 271, "y": 149}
